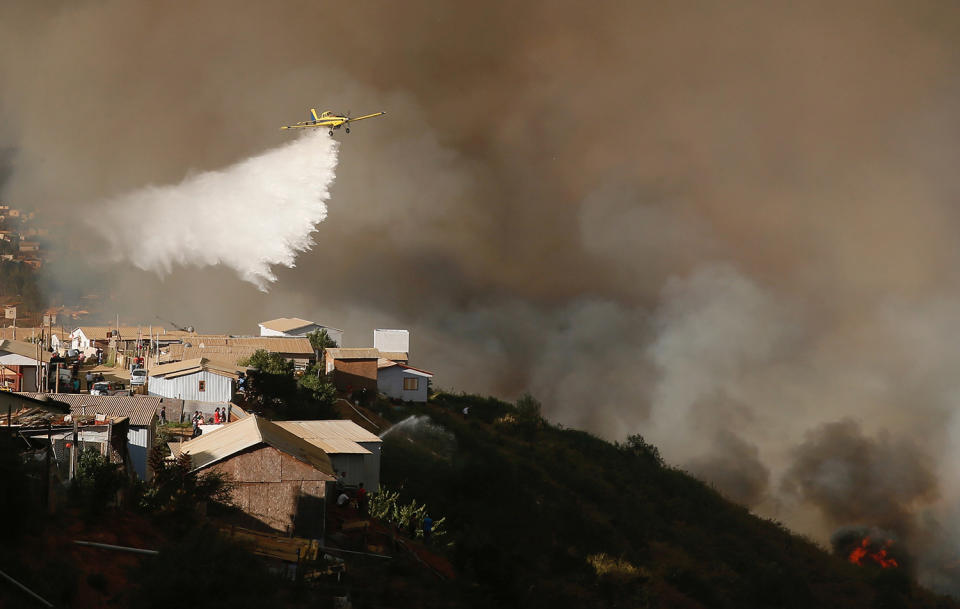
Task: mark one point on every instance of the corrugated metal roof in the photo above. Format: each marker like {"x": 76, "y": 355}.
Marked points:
{"x": 140, "y": 409}
{"x": 330, "y": 429}
{"x": 249, "y": 432}
{"x": 231, "y": 350}
{"x": 353, "y": 353}
{"x": 286, "y": 324}
{"x": 329, "y": 442}
{"x": 28, "y": 350}
{"x": 130, "y": 332}
{"x": 190, "y": 366}
{"x": 228, "y": 356}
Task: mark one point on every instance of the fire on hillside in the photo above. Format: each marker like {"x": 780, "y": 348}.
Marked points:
{"x": 867, "y": 547}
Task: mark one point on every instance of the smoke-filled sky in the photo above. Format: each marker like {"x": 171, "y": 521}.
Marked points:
{"x": 731, "y": 227}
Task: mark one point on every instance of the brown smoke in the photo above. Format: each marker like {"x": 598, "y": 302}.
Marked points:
{"x": 682, "y": 220}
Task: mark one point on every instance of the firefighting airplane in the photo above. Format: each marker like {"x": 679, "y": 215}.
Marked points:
{"x": 330, "y": 120}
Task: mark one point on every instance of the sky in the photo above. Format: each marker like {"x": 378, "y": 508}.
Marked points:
{"x": 729, "y": 227}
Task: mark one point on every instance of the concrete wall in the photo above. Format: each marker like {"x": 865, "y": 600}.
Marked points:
{"x": 392, "y": 340}
{"x": 278, "y": 491}
{"x": 390, "y": 383}
{"x": 218, "y": 388}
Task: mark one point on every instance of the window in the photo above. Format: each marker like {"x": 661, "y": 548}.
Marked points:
{"x": 203, "y": 385}
{"x": 410, "y": 384}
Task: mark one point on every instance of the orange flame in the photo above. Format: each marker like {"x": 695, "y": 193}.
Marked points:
{"x": 880, "y": 557}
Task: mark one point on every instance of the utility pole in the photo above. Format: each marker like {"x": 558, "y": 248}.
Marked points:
{"x": 73, "y": 451}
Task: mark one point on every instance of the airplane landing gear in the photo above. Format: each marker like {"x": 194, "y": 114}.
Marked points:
{"x": 348, "y": 129}
{"x": 331, "y": 133}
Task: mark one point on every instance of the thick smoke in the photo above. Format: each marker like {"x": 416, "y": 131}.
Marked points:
{"x": 250, "y": 216}
{"x": 855, "y": 479}
{"x": 726, "y": 226}
{"x": 734, "y": 467}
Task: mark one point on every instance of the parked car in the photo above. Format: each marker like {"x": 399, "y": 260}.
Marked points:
{"x": 138, "y": 377}
{"x": 109, "y": 388}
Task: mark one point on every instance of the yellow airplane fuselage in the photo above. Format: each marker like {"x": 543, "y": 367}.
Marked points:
{"x": 329, "y": 120}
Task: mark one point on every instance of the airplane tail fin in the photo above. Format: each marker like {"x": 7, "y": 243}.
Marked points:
{"x": 313, "y": 113}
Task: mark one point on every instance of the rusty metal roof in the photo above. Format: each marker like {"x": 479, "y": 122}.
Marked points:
{"x": 140, "y": 409}
{"x": 240, "y": 435}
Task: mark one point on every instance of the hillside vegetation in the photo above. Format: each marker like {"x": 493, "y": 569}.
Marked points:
{"x": 541, "y": 516}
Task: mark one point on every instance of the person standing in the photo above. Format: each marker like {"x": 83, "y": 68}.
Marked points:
{"x": 163, "y": 415}
{"x": 216, "y": 416}
{"x": 362, "y": 500}
{"x": 89, "y": 377}
{"x": 427, "y": 529}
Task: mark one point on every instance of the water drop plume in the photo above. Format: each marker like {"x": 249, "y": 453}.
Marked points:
{"x": 250, "y": 216}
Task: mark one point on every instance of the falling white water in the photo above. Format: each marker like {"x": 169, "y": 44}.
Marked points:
{"x": 249, "y": 216}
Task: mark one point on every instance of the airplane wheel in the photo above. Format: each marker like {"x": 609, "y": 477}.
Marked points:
{"x": 331, "y": 133}
{"x": 348, "y": 129}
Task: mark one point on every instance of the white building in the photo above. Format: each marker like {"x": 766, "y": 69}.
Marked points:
{"x": 402, "y": 382}
{"x": 351, "y": 448}
{"x": 194, "y": 379}
{"x": 83, "y": 343}
{"x": 391, "y": 341}
{"x": 295, "y": 327}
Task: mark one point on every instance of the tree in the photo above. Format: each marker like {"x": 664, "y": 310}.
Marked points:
{"x": 177, "y": 489}
{"x": 272, "y": 382}
{"x": 98, "y": 480}
{"x": 317, "y": 387}
{"x": 321, "y": 341}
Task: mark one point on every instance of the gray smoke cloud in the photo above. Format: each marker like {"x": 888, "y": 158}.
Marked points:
{"x": 854, "y": 479}
{"x": 723, "y": 226}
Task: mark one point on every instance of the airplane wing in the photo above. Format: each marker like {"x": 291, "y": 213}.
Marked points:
{"x": 360, "y": 118}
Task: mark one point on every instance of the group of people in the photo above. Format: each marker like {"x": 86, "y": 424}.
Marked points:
{"x": 92, "y": 378}
{"x": 219, "y": 416}
{"x": 343, "y": 496}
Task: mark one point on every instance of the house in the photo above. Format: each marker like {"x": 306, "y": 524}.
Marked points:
{"x": 193, "y": 379}
{"x": 353, "y": 369}
{"x": 351, "y": 448}
{"x": 29, "y": 246}
{"x": 22, "y": 365}
{"x": 402, "y": 382}
{"x": 141, "y": 410}
{"x": 294, "y": 326}
{"x": 280, "y": 478}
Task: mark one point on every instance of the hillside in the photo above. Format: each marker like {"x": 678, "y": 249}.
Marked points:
{"x": 533, "y": 515}
{"x": 544, "y": 516}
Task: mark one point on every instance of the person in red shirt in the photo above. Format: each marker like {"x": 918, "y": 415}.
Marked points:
{"x": 362, "y": 500}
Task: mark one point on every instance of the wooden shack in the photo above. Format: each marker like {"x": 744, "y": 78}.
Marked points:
{"x": 280, "y": 478}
